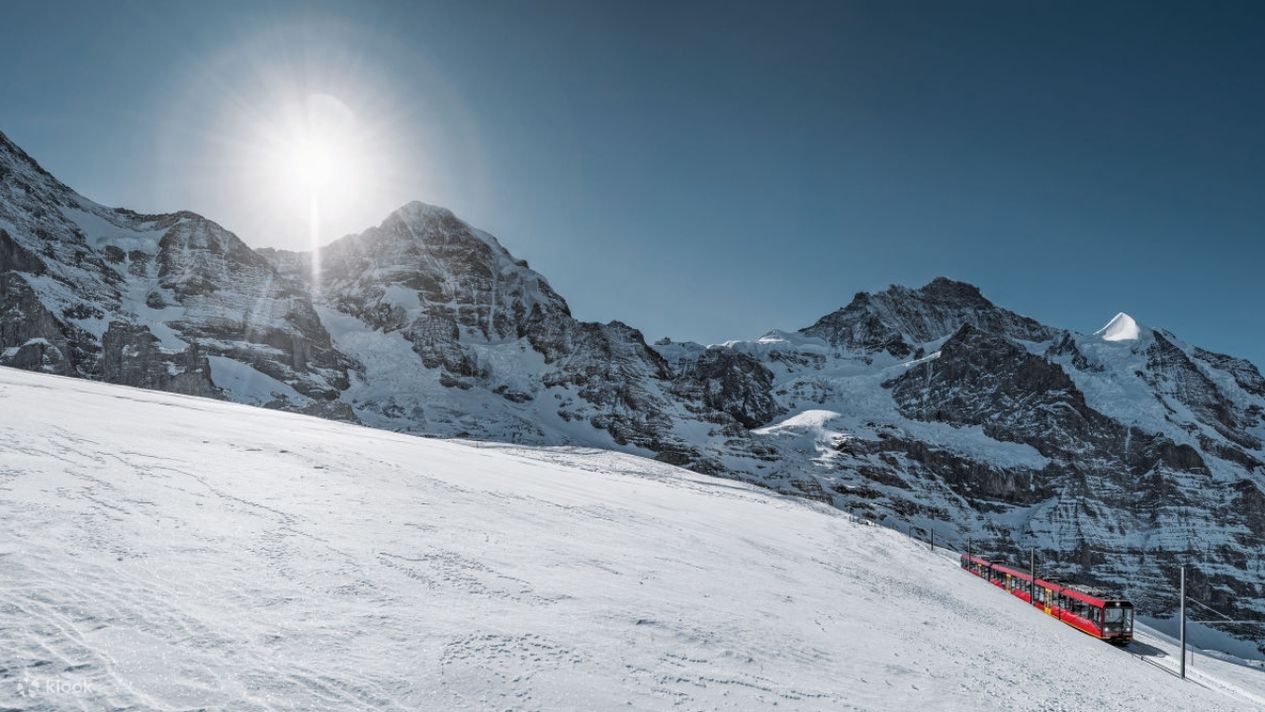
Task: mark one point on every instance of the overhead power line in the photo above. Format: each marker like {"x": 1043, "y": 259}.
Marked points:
{"x": 1208, "y": 608}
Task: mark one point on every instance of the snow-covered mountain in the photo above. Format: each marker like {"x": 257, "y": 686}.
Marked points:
{"x": 163, "y": 552}
{"x": 451, "y": 335}
{"x": 1116, "y": 455}
{"x": 173, "y": 302}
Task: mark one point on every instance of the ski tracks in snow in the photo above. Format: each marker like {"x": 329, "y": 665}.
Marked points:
{"x": 167, "y": 553}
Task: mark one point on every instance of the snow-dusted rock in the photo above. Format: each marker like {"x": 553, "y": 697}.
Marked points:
{"x": 493, "y": 352}
{"x": 897, "y": 320}
{"x": 72, "y": 270}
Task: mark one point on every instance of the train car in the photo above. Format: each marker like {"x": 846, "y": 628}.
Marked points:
{"x": 1105, "y": 617}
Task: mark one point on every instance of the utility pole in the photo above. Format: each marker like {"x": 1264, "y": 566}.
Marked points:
{"x": 932, "y": 539}
{"x": 1183, "y": 621}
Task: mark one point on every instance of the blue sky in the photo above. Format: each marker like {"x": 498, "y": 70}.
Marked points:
{"x": 713, "y": 170}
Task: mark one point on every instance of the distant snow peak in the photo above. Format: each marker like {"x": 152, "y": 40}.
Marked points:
{"x": 1122, "y": 327}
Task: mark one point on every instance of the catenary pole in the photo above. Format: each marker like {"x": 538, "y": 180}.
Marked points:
{"x": 1183, "y": 621}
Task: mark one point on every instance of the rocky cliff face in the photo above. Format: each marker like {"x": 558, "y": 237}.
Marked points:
{"x": 450, "y": 334}
{"x": 1118, "y": 455}
{"x": 900, "y": 319}
{"x": 161, "y": 301}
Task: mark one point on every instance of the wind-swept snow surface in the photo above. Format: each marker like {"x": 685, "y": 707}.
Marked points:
{"x": 167, "y": 552}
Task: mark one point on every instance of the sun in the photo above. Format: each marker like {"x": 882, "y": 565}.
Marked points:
{"x": 311, "y": 163}
{"x": 311, "y": 156}
{"x": 318, "y": 146}
{"x": 300, "y": 134}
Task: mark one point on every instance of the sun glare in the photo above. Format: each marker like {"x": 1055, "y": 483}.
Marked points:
{"x": 311, "y": 162}
{"x": 302, "y": 135}
{"x": 314, "y": 154}
{"x": 318, "y": 145}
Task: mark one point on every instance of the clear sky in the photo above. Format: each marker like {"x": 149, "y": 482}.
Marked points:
{"x": 709, "y": 170}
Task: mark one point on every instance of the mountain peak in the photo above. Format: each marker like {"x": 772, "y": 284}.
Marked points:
{"x": 28, "y": 171}
{"x": 945, "y": 287}
{"x": 418, "y": 209}
{"x": 898, "y": 319}
{"x": 8, "y": 146}
{"x": 1122, "y": 327}
{"x": 941, "y": 290}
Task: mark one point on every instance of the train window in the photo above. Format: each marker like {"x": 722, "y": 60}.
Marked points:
{"x": 1114, "y": 615}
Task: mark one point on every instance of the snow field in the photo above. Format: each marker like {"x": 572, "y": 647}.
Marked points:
{"x": 166, "y": 552}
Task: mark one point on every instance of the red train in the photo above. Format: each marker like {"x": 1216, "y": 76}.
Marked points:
{"x": 1109, "y": 619}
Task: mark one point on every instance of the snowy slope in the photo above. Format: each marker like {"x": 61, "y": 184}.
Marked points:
{"x": 169, "y": 552}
